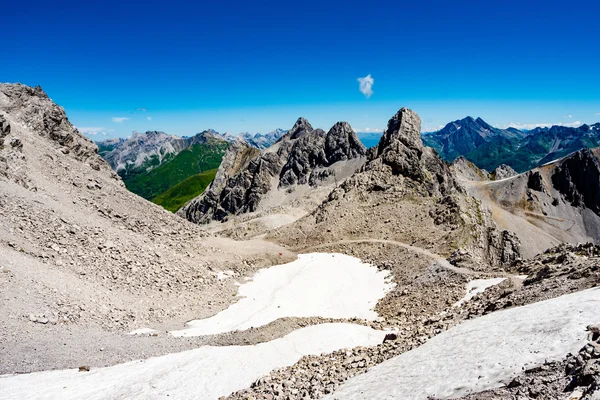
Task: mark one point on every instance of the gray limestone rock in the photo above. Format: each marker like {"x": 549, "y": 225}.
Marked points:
{"x": 503, "y": 171}
{"x": 302, "y": 156}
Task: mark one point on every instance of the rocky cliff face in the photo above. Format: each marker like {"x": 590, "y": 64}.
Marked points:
{"x": 33, "y": 108}
{"x": 577, "y": 178}
{"x": 303, "y": 156}
{"x": 402, "y": 150}
{"x": 552, "y": 204}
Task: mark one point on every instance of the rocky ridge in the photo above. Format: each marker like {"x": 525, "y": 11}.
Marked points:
{"x": 488, "y": 147}
{"x": 303, "y": 156}
{"x": 555, "y": 203}
{"x": 262, "y": 141}
{"x": 406, "y": 193}
{"x": 145, "y": 151}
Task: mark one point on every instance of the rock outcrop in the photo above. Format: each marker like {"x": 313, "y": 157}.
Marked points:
{"x": 402, "y": 151}
{"x": 406, "y": 193}
{"x": 32, "y": 108}
{"x": 303, "y": 156}
{"x": 502, "y": 171}
{"x": 577, "y": 178}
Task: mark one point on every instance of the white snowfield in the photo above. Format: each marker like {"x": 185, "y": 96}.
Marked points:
{"x": 315, "y": 285}
{"x": 204, "y": 373}
{"x": 482, "y": 353}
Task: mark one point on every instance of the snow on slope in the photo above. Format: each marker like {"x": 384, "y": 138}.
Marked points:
{"x": 477, "y": 286}
{"x": 315, "y": 285}
{"x": 204, "y": 373}
{"x": 481, "y": 353}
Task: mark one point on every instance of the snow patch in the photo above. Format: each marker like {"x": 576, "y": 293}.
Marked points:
{"x": 207, "y": 372}
{"x": 477, "y": 286}
{"x": 482, "y": 353}
{"x": 315, "y": 285}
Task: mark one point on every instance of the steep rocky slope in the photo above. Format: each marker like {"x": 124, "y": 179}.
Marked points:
{"x": 304, "y": 160}
{"x": 406, "y": 193}
{"x": 548, "y": 205}
{"x": 81, "y": 257}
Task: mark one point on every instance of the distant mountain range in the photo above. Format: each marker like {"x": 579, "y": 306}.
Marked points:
{"x": 488, "y": 147}
{"x": 170, "y": 170}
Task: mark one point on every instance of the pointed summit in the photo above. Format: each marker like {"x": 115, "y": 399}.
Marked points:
{"x": 404, "y": 128}
{"x": 341, "y": 143}
{"x": 301, "y": 126}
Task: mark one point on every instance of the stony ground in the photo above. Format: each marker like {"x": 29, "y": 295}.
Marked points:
{"x": 83, "y": 261}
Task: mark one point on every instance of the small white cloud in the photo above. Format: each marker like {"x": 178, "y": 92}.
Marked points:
{"x": 366, "y": 85}
{"x": 92, "y": 130}
{"x": 373, "y": 130}
{"x": 142, "y": 109}
{"x": 597, "y": 113}
{"x": 119, "y": 120}
{"x": 149, "y": 118}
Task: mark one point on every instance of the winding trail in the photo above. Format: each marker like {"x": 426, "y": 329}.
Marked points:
{"x": 439, "y": 260}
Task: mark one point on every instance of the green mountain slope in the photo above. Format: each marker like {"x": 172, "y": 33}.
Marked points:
{"x": 189, "y": 162}
{"x": 174, "y": 198}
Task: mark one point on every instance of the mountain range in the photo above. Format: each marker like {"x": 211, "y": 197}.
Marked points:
{"x": 314, "y": 254}
{"x": 488, "y": 147}
{"x": 170, "y": 170}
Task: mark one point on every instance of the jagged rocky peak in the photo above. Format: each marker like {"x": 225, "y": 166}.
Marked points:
{"x": 317, "y": 149}
{"x": 300, "y": 127}
{"x": 342, "y": 143}
{"x": 503, "y": 171}
{"x": 402, "y": 149}
{"x": 404, "y": 129}
{"x": 303, "y": 156}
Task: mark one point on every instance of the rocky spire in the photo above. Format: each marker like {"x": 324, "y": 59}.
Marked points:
{"x": 300, "y": 127}
{"x": 341, "y": 143}
{"x": 400, "y": 146}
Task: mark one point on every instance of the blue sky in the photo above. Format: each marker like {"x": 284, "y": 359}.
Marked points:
{"x": 258, "y": 65}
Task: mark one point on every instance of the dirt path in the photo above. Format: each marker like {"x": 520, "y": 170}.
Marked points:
{"x": 441, "y": 261}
